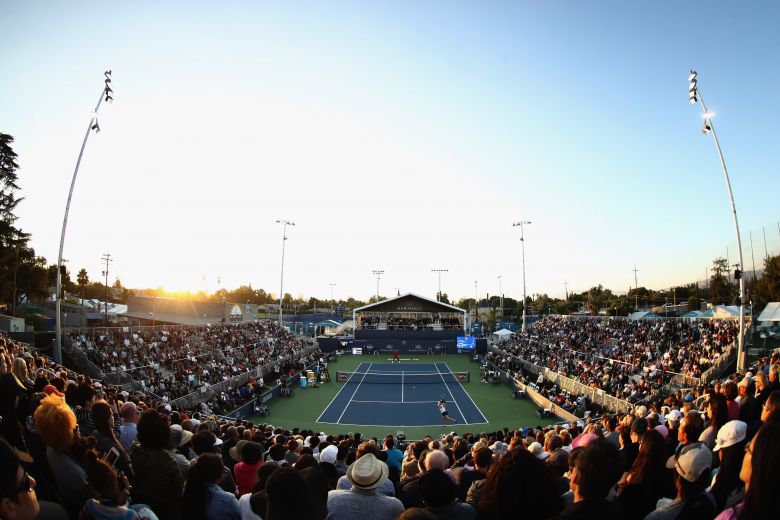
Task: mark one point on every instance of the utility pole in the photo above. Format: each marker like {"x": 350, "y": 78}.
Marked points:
{"x": 501, "y": 295}
{"x": 107, "y": 259}
{"x": 752, "y": 255}
{"x": 566, "y": 288}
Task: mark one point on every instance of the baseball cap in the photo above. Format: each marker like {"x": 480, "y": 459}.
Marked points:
{"x": 692, "y": 461}
{"x": 731, "y": 433}
{"x": 537, "y": 450}
{"x": 674, "y": 415}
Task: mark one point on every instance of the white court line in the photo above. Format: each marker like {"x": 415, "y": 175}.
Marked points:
{"x": 334, "y": 398}
{"x": 449, "y": 392}
{"x": 393, "y": 425}
{"x": 469, "y": 396}
{"x": 396, "y": 402}
{"x": 402, "y": 386}
{"x": 353, "y": 394}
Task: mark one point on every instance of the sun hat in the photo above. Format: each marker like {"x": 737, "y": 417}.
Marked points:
{"x": 692, "y": 461}
{"x": 731, "y": 433}
{"x": 328, "y": 454}
{"x": 499, "y": 448}
{"x": 367, "y": 472}
{"x": 235, "y": 451}
{"x": 185, "y": 435}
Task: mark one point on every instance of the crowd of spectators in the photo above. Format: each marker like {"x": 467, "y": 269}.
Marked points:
{"x": 172, "y": 362}
{"x": 408, "y": 321}
{"x": 72, "y": 448}
{"x": 627, "y": 359}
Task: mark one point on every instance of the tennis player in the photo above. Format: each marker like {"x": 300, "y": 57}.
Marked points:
{"x": 395, "y": 356}
{"x": 443, "y": 409}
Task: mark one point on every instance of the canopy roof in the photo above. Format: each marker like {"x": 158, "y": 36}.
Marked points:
{"x": 771, "y": 312}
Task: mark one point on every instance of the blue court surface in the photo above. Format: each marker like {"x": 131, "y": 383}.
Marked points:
{"x": 384, "y": 394}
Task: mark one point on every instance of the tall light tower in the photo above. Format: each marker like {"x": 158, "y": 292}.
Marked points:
{"x": 378, "y": 273}
{"x": 695, "y": 96}
{"x": 501, "y": 294}
{"x": 439, "y": 270}
{"x": 636, "y": 291}
{"x": 107, "y": 95}
{"x": 284, "y": 223}
{"x": 522, "y": 225}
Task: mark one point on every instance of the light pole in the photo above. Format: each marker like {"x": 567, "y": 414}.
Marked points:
{"x": 284, "y": 223}
{"x": 107, "y": 95}
{"x": 522, "y": 225}
{"x": 636, "y": 290}
{"x": 332, "y": 303}
{"x": 378, "y": 273}
{"x": 476, "y": 303}
{"x": 439, "y": 270}
{"x": 501, "y": 295}
{"x": 694, "y": 96}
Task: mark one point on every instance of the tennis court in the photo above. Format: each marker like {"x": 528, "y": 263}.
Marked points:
{"x": 385, "y": 394}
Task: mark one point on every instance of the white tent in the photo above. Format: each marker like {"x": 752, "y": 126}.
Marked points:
{"x": 502, "y": 335}
{"x": 643, "y": 315}
{"x": 771, "y": 312}
{"x": 725, "y": 311}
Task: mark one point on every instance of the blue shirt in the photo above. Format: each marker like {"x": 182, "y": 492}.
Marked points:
{"x": 221, "y": 504}
{"x": 394, "y": 458}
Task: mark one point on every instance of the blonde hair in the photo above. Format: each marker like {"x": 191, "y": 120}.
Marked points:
{"x": 20, "y": 369}
{"x": 56, "y": 423}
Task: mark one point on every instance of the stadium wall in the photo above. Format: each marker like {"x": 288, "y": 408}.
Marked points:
{"x": 403, "y": 346}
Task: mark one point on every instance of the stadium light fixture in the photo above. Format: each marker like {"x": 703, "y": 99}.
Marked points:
{"x": 438, "y": 295}
{"x": 284, "y": 223}
{"x": 709, "y": 128}
{"x": 106, "y": 94}
{"x": 522, "y": 225}
{"x": 378, "y": 273}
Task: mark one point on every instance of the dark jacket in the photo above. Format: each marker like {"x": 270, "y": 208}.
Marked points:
{"x": 158, "y": 481}
{"x": 593, "y": 509}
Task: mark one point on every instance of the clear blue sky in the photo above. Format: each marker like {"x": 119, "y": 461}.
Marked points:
{"x": 402, "y": 136}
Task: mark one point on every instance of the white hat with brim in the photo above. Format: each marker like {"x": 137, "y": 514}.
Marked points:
{"x": 367, "y": 472}
{"x": 185, "y": 435}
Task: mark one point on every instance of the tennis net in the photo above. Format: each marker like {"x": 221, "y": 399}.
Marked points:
{"x": 397, "y": 378}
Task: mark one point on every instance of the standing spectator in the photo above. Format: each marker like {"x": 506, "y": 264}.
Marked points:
{"x": 518, "y": 483}
{"x": 158, "y": 481}
{"x": 129, "y": 431}
{"x": 366, "y": 474}
{"x": 597, "y": 469}
{"x": 203, "y": 499}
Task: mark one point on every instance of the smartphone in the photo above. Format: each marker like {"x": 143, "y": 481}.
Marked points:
{"x": 112, "y": 456}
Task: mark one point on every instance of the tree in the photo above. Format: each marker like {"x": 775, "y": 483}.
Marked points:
{"x": 768, "y": 286}
{"x": 82, "y": 279}
{"x": 694, "y": 303}
{"x": 720, "y": 289}
{"x": 596, "y": 298}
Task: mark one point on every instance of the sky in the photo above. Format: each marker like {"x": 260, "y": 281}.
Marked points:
{"x": 398, "y": 136}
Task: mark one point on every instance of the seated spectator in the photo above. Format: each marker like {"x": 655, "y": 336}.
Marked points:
{"x": 158, "y": 481}
{"x": 65, "y": 451}
{"x": 717, "y": 411}
{"x": 692, "y": 476}
{"x": 518, "y": 484}
{"x": 730, "y": 448}
{"x": 482, "y": 462}
{"x": 760, "y": 472}
{"x": 648, "y": 480}
{"x": 17, "y": 489}
{"x": 770, "y": 406}
{"x": 440, "y": 496}
{"x": 130, "y": 416}
{"x": 113, "y": 490}
{"x": 366, "y": 474}
{"x": 288, "y": 496}
{"x": 597, "y": 470}
{"x": 203, "y": 498}
{"x": 250, "y": 458}
{"x": 206, "y": 442}
{"x": 105, "y": 436}
{"x": 368, "y": 447}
